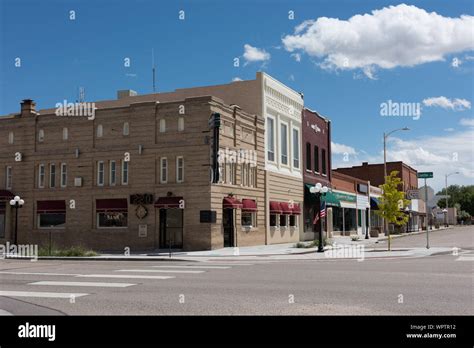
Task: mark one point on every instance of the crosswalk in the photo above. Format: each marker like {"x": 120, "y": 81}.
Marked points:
{"x": 112, "y": 279}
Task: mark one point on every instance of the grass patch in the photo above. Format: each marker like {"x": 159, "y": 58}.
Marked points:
{"x": 72, "y": 251}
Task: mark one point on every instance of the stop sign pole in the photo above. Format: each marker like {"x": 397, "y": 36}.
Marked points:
{"x": 426, "y": 175}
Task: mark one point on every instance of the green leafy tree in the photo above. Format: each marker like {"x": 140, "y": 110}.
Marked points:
{"x": 462, "y": 195}
{"x": 392, "y": 203}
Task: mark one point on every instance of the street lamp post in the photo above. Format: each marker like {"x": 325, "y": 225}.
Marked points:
{"x": 385, "y": 136}
{"x": 446, "y": 193}
{"x": 320, "y": 191}
{"x": 16, "y": 203}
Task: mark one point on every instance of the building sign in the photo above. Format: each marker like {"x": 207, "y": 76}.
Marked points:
{"x": 345, "y": 196}
{"x": 425, "y": 175}
{"x": 141, "y": 212}
{"x": 375, "y": 190}
{"x": 413, "y": 194}
{"x": 362, "y": 188}
{"x": 362, "y": 202}
{"x": 143, "y": 198}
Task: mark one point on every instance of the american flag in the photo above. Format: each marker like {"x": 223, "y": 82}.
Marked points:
{"x": 322, "y": 212}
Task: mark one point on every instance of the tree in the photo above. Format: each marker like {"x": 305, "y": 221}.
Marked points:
{"x": 392, "y": 203}
{"x": 462, "y": 195}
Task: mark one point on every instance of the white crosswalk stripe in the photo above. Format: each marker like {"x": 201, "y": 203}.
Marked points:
{"x": 118, "y": 276}
{"x": 41, "y": 294}
{"x": 89, "y": 284}
{"x": 465, "y": 258}
{"x": 159, "y": 271}
{"x": 194, "y": 266}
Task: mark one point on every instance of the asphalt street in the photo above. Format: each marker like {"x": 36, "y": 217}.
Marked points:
{"x": 431, "y": 285}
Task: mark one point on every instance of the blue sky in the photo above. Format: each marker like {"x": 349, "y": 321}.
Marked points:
{"x": 409, "y": 61}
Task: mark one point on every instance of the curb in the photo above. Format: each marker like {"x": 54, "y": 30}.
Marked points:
{"x": 85, "y": 258}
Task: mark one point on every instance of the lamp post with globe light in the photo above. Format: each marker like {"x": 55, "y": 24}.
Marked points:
{"x": 320, "y": 191}
{"x": 16, "y": 203}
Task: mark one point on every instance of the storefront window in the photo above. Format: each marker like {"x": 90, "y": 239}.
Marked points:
{"x": 48, "y": 220}
{"x": 273, "y": 220}
{"x": 248, "y": 219}
{"x": 112, "y": 219}
{"x": 293, "y": 220}
{"x": 283, "y": 220}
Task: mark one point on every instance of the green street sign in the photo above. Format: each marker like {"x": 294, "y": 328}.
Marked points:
{"x": 425, "y": 175}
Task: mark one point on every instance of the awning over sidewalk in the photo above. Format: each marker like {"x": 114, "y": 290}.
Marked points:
{"x": 285, "y": 208}
{"x": 231, "y": 203}
{"x": 330, "y": 198}
{"x": 168, "y": 202}
{"x": 275, "y": 208}
{"x": 6, "y": 195}
{"x": 111, "y": 205}
{"x": 249, "y": 205}
{"x": 296, "y": 209}
{"x": 51, "y": 207}
{"x": 374, "y": 203}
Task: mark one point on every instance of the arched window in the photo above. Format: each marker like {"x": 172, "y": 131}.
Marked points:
{"x": 126, "y": 129}
{"x": 41, "y": 135}
{"x": 100, "y": 131}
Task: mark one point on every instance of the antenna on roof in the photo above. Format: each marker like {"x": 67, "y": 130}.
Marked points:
{"x": 82, "y": 94}
{"x": 153, "y": 68}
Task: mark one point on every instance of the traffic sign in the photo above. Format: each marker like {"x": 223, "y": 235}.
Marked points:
{"x": 425, "y": 175}
{"x": 413, "y": 194}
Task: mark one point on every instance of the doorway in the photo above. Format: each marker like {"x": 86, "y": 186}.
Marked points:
{"x": 171, "y": 228}
{"x": 228, "y": 224}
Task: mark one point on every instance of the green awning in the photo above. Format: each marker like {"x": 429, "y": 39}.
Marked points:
{"x": 330, "y": 198}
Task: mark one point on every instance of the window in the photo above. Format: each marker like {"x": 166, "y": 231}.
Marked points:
{"x": 248, "y": 219}
{"x": 41, "y": 176}
{"x": 11, "y": 138}
{"x": 51, "y": 214}
{"x": 52, "y": 175}
{"x": 112, "y": 173}
{"x": 179, "y": 169}
{"x": 230, "y": 173}
{"x": 283, "y": 220}
{"x": 180, "y": 124}
{"x": 100, "y": 131}
{"x": 296, "y": 148}
{"x": 253, "y": 177}
{"x": 323, "y": 161}
{"x": 284, "y": 143}
{"x": 308, "y": 156}
{"x": 100, "y": 173}
{"x": 245, "y": 174}
{"x": 270, "y": 139}
{"x": 63, "y": 175}
{"x": 162, "y": 125}
{"x": 222, "y": 172}
{"x": 273, "y": 219}
{"x": 112, "y": 213}
{"x": 126, "y": 129}
{"x": 124, "y": 173}
{"x": 65, "y": 133}
{"x": 316, "y": 159}
{"x": 8, "y": 178}
{"x": 41, "y": 135}
{"x": 293, "y": 220}
{"x": 164, "y": 170}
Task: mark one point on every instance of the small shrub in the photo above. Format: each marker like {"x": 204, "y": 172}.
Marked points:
{"x": 72, "y": 251}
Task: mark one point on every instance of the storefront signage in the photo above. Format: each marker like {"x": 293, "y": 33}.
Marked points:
{"x": 344, "y": 196}
{"x": 362, "y": 188}
{"x": 375, "y": 190}
{"x": 413, "y": 194}
{"x": 142, "y": 198}
{"x": 141, "y": 212}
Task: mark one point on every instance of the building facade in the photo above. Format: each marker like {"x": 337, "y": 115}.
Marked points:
{"x": 136, "y": 176}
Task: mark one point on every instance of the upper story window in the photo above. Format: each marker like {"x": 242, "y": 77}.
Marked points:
{"x": 8, "y": 178}
{"x": 41, "y": 175}
{"x": 296, "y": 148}
{"x": 308, "y": 156}
{"x": 52, "y": 175}
{"x": 11, "y": 137}
{"x": 124, "y": 173}
{"x": 100, "y": 173}
{"x": 63, "y": 175}
{"x": 112, "y": 173}
{"x": 65, "y": 133}
{"x": 316, "y": 159}
{"x": 126, "y": 129}
{"x": 270, "y": 129}
{"x": 164, "y": 170}
{"x": 100, "y": 131}
{"x": 162, "y": 125}
{"x": 179, "y": 169}
{"x": 323, "y": 161}
{"x": 180, "y": 124}
{"x": 284, "y": 143}
{"x": 41, "y": 135}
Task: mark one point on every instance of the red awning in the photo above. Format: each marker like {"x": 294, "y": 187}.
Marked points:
{"x": 296, "y": 209}
{"x": 249, "y": 205}
{"x": 111, "y": 205}
{"x": 169, "y": 202}
{"x": 6, "y": 195}
{"x": 275, "y": 208}
{"x": 51, "y": 207}
{"x": 285, "y": 207}
{"x": 231, "y": 203}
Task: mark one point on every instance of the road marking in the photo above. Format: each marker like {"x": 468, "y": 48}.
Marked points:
{"x": 158, "y": 271}
{"x": 465, "y": 258}
{"x": 89, "y": 275}
{"x": 92, "y": 284}
{"x": 193, "y": 266}
{"x": 227, "y": 264}
{"x": 4, "y": 312}
{"x": 40, "y": 294}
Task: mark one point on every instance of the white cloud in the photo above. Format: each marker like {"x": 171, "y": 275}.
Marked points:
{"x": 449, "y": 129}
{"x": 297, "y": 56}
{"x": 291, "y": 77}
{"x": 446, "y": 103}
{"x": 254, "y": 54}
{"x": 342, "y": 149}
{"x": 236, "y": 79}
{"x": 395, "y": 36}
{"x": 469, "y": 122}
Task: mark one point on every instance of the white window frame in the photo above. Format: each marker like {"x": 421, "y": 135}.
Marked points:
{"x": 252, "y": 176}
{"x": 51, "y": 174}
{"x": 296, "y": 220}
{"x": 180, "y": 124}
{"x": 284, "y": 124}
{"x": 65, "y": 133}
{"x": 100, "y": 165}
{"x": 286, "y": 220}
{"x": 63, "y": 175}
{"x": 273, "y": 144}
{"x": 126, "y": 129}
{"x": 296, "y": 149}
{"x": 99, "y": 131}
{"x": 8, "y": 177}
{"x": 41, "y": 135}
{"x": 178, "y": 179}
{"x": 11, "y": 138}
{"x": 253, "y": 215}
{"x": 112, "y": 173}
{"x": 162, "y": 125}
{"x": 125, "y": 169}
{"x": 164, "y": 170}
{"x": 41, "y": 175}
